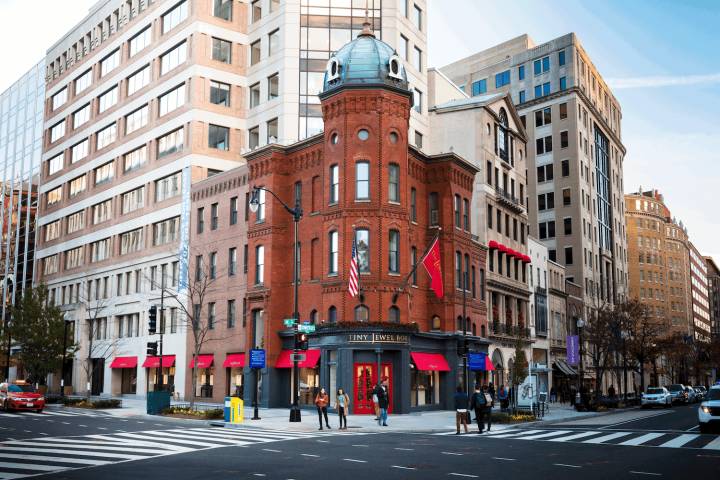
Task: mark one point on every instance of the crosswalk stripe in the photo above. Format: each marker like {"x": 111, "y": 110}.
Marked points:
{"x": 229, "y": 436}
{"x": 83, "y": 445}
{"x": 607, "y": 438}
{"x": 46, "y": 458}
{"x": 544, "y": 435}
{"x": 678, "y": 442}
{"x": 145, "y": 437}
{"x": 24, "y": 466}
{"x": 574, "y": 437}
{"x": 249, "y": 434}
{"x": 514, "y": 434}
{"x": 11, "y": 476}
{"x": 123, "y": 456}
{"x": 641, "y": 439}
{"x": 714, "y": 445}
{"x": 203, "y": 440}
{"x": 137, "y": 440}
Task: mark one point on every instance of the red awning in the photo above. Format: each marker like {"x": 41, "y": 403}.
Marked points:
{"x": 124, "y": 362}
{"x": 311, "y": 359}
{"x": 203, "y": 361}
{"x": 234, "y": 360}
{"x": 154, "y": 362}
{"x": 430, "y": 361}
{"x": 510, "y": 252}
{"x": 502, "y": 248}
{"x": 492, "y": 244}
{"x": 488, "y": 364}
{"x": 527, "y": 259}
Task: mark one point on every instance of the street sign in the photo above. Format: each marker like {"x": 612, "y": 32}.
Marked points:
{"x": 476, "y": 361}
{"x": 300, "y": 357}
{"x": 306, "y": 328}
{"x": 289, "y": 322}
{"x": 257, "y": 358}
{"x": 573, "y": 350}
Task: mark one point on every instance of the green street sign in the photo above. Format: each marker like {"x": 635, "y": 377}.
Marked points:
{"x": 306, "y": 328}
{"x": 289, "y": 322}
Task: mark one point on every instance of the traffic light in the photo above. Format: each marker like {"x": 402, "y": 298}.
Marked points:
{"x": 152, "y": 349}
{"x": 152, "y": 319}
{"x": 303, "y": 343}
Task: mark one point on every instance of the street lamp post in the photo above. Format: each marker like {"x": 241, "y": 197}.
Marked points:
{"x": 466, "y": 382}
{"x": 6, "y": 314}
{"x": 62, "y": 368}
{"x": 580, "y": 323}
{"x": 297, "y": 215}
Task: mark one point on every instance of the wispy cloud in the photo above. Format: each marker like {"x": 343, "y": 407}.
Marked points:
{"x": 663, "y": 81}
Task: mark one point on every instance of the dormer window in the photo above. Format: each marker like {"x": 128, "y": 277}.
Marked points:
{"x": 333, "y": 69}
{"x": 395, "y": 67}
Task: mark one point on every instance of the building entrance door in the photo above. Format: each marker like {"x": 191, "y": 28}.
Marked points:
{"x": 366, "y": 378}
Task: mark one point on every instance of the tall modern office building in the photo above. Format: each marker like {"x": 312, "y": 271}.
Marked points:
{"x": 21, "y": 120}
{"x": 146, "y": 97}
{"x": 575, "y": 154}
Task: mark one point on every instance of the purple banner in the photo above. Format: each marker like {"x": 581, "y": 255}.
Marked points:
{"x": 573, "y": 350}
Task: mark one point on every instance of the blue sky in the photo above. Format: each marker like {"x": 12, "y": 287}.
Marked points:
{"x": 664, "y": 61}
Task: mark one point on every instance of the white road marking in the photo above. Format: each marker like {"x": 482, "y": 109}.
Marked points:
{"x": 65, "y": 423}
{"x": 503, "y": 458}
{"x": 514, "y": 433}
{"x": 566, "y": 465}
{"x": 271, "y": 450}
{"x": 259, "y": 474}
{"x": 574, "y": 437}
{"x": 543, "y": 435}
{"x": 401, "y": 467}
{"x": 354, "y": 460}
{"x": 714, "y": 445}
{"x": 453, "y": 453}
{"x": 606, "y": 438}
{"x": 641, "y": 439}
{"x": 309, "y": 455}
{"x": 81, "y": 446}
{"x": 44, "y": 468}
{"x": 84, "y": 453}
{"x": 82, "y": 426}
{"x": 101, "y": 428}
{"x": 681, "y": 440}
{"x": 11, "y": 476}
{"x": 405, "y": 449}
{"x": 643, "y": 417}
{"x": 693, "y": 428}
{"x": 361, "y": 445}
{"x": 646, "y": 473}
{"x": 322, "y": 441}
{"x": 463, "y": 475}
{"x": 45, "y": 458}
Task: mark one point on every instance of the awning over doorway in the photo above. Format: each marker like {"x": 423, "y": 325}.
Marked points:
{"x": 434, "y": 362}
{"x": 202, "y": 361}
{"x": 234, "y": 360}
{"x": 311, "y": 359}
{"x": 124, "y": 362}
{"x": 154, "y": 362}
{"x": 564, "y": 367}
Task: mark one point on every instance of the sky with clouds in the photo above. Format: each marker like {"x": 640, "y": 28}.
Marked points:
{"x": 659, "y": 56}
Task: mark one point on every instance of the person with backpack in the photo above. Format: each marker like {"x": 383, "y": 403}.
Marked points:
{"x": 478, "y": 403}
{"x": 489, "y": 404}
{"x": 342, "y": 405}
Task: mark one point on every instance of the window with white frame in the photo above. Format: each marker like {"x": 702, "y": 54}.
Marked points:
{"x": 166, "y": 231}
{"x": 59, "y": 99}
{"x": 175, "y": 16}
{"x": 221, "y": 50}
{"x": 138, "y": 80}
{"x": 55, "y": 164}
{"x": 172, "y": 100}
{"x": 273, "y": 82}
{"x": 76, "y": 221}
{"x": 108, "y": 99}
{"x": 220, "y": 93}
{"x": 136, "y": 120}
{"x": 54, "y": 195}
{"x": 52, "y": 230}
{"x": 218, "y": 137}
{"x": 167, "y": 187}
{"x": 104, "y": 173}
{"x": 135, "y": 159}
{"x": 110, "y": 63}
{"x": 223, "y": 9}
{"x": 140, "y": 41}
{"x": 57, "y": 131}
{"x": 80, "y": 117}
{"x": 106, "y": 136}
{"x": 259, "y": 264}
{"x": 173, "y": 58}
{"x": 73, "y": 258}
{"x": 100, "y": 250}
{"x": 273, "y": 42}
{"x": 102, "y": 211}
{"x": 50, "y": 264}
{"x": 79, "y": 151}
{"x": 133, "y": 200}
{"x": 83, "y": 82}
{"x": 131, "y": 241}
{"x": 78, "y": 185}
{"x": 170, "y": 143}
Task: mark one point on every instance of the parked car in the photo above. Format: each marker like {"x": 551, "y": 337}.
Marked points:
{"x": 20, "y": 396}
{"x": 691, "y": 395}
{"x": 679, "y": 395}
{"x": 701, "y": 392}
{"x": 709, "y": 410}
{"x": 656, "y": 396}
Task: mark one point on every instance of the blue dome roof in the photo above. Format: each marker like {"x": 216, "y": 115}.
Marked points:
{"x": 365, "y": 61}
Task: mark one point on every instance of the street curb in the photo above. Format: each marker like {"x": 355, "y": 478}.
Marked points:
{"x": 369, "y": 430}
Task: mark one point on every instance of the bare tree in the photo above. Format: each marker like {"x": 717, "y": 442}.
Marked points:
{"x": 98, "y": 343}
{"x": 644, "y": 336}
{"x": 598, "y": 333}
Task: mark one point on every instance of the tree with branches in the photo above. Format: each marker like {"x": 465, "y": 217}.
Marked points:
{"x": 644, "y": 335}
{"x": 598, "y": 334}
{"x": 99, "y": 343}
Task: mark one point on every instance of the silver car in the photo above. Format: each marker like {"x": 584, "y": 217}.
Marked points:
{"x": 656, "y": 396}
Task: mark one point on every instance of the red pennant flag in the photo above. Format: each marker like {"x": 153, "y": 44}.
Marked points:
{"x": 431, "y": 262}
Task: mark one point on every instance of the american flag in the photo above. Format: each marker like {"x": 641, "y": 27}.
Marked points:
{"x": 353, "y": 283}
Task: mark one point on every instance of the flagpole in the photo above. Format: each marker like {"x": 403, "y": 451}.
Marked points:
{"x": 414, "y": 268}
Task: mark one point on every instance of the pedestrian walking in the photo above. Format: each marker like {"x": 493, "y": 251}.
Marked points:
{"x": 489, "y": 404}
{"x": 383, "y": 397}
{"x": 342, "y": 404}
{"x": 477, "y": 403}
{"x": 461, "y": 410}
{"x": 321, "y": 402}
{"x": 491, "y": 390}
{"x": 553, "y": 395}
{"x": 375, "y": 403}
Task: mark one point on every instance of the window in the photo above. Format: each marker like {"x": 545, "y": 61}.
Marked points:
{"x": 564, "y": 139}
{"x": 521, "y": 96}
{"x": 83, "y": 81}
{"x": 219, "y": 137}
{"x": 174, "y": 17}
{"x": 223, "y": 9}
{"x": 138, "y": 80}
{"x": 334, "y": 183}
{"x": 233, "y": 210}
{"x": 254, "y": 95}
{"x": 77, "y": 185}
{"x": 457, "y": 207}
{"x": 133, "y": 200}
{"x": 543, "y": 117}
{"x": 166, "y": 231}
{"x": 362, "y": 241}
{"x": 219, "y": 93}
{"x": 479, "y": 87}
{"x": 417, "y": 17}
{"x": 76, "y": 222}
{"x": 566, "y": 196}
{"x": 73, "y": 258}
{"x": 545, "y": 173}
{"x": 110, "y": 63}
{"x": 260, "y": 214}
{"x": 547, "y": 229}
{"x": 135, "y": 159}
{"x": 167, "y": 187}
{"x": 131, "y": 241}
{"x": 394, "y": 314}
{"x": 272, "y": 130}
{"x": 200, "y": 220}
{"x": 417, "y": 59}
{"x": 433, "y": 208}
{"x": 458, "y": 271}
{"x": 565, "y": 168}
{"x": 173, "y": 58}
{"x": 79, "y": 151}
{"x": 546, "y": 88}
{"x": 213, "y": 265}
{"x": 102, "y": 211}
{"x": 362, "y": 181}
{"x": 106, "y": 136}
{"x": 333, "y": 253}
{"x": 394, "y": 182}
{"x": 171, "y": 143}
{"x": 273, "y": 42}
{"x": 543, "y": 145}
{"x": 214, "y": 217}
{"x": 256, "y": 10}
{"x": 362, "y": 313}
{"x": 140, "y": 41}
{"x": 413, "y": 205}
{"x": 563, "y": 111}
{"x": 52, "y": 230}
{"x": 136, "y": 120}
{"x": 418, "y": 139}
{"x": 417, "y": 100}
{"x": 100, "y": 250}
{"x": 521, "y": 72}
{"x": 259, "y": 264}
{"x": 568, "y": 256}
{"x": 211, "y": 315}
{"x": 221, "y": 50}
{"x": 502, "y": 79}
{"x": 394, "y": 251}
{"x": 57, "y": 131}
{"x": 567, "y": 224}
{"x": 59, "y": 99}
{"x": 561, "y": 57}
{"x": 50, "y": 265}
{"x": 232, "y": 261}
{"x": 546, "y": 201}
{"x": 273, "y": 86}
{"x": 171, "y": 100}
{"x": 255, "y": 52}
{"x": 55, "y": 164}
{"x": 108, "y": 99}
{"x": 403, "y": 48}
{"x": 563, "y": 83}
{"x": 80, "y": 117}
{"x": 104, "y": 173}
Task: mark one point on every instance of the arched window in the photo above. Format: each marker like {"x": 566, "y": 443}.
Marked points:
{"x": 313, "y": 317}
{"x": 334, "y": 183}
{"x": 332, "y": 314}
{"x": 333, "y": 253}
{"x": 502, "y": 136}
{"x": 474, "y": 329}
{"x": 362, "y": 243}
{"x": 482, "y": 331}
{"x": 362, "y": 313}
{"x": 394, "y": 314}
{"x": 459, "y": 324}
{"x": 435, "y": 323}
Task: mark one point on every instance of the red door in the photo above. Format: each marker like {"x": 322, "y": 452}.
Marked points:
{"x": 365, "y": 380}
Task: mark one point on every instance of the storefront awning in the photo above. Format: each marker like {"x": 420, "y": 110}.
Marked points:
{"x": 234, "y": 360}
{"x": 311, "y": 359}
{"x": 124, "y": 362}
{"x": 202, "y": 361}
{"x": 433, "y": 362}
{"x": 563, "y": 366}
{"x": 480, "y": 362}
{"x": 154, "y": 362}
